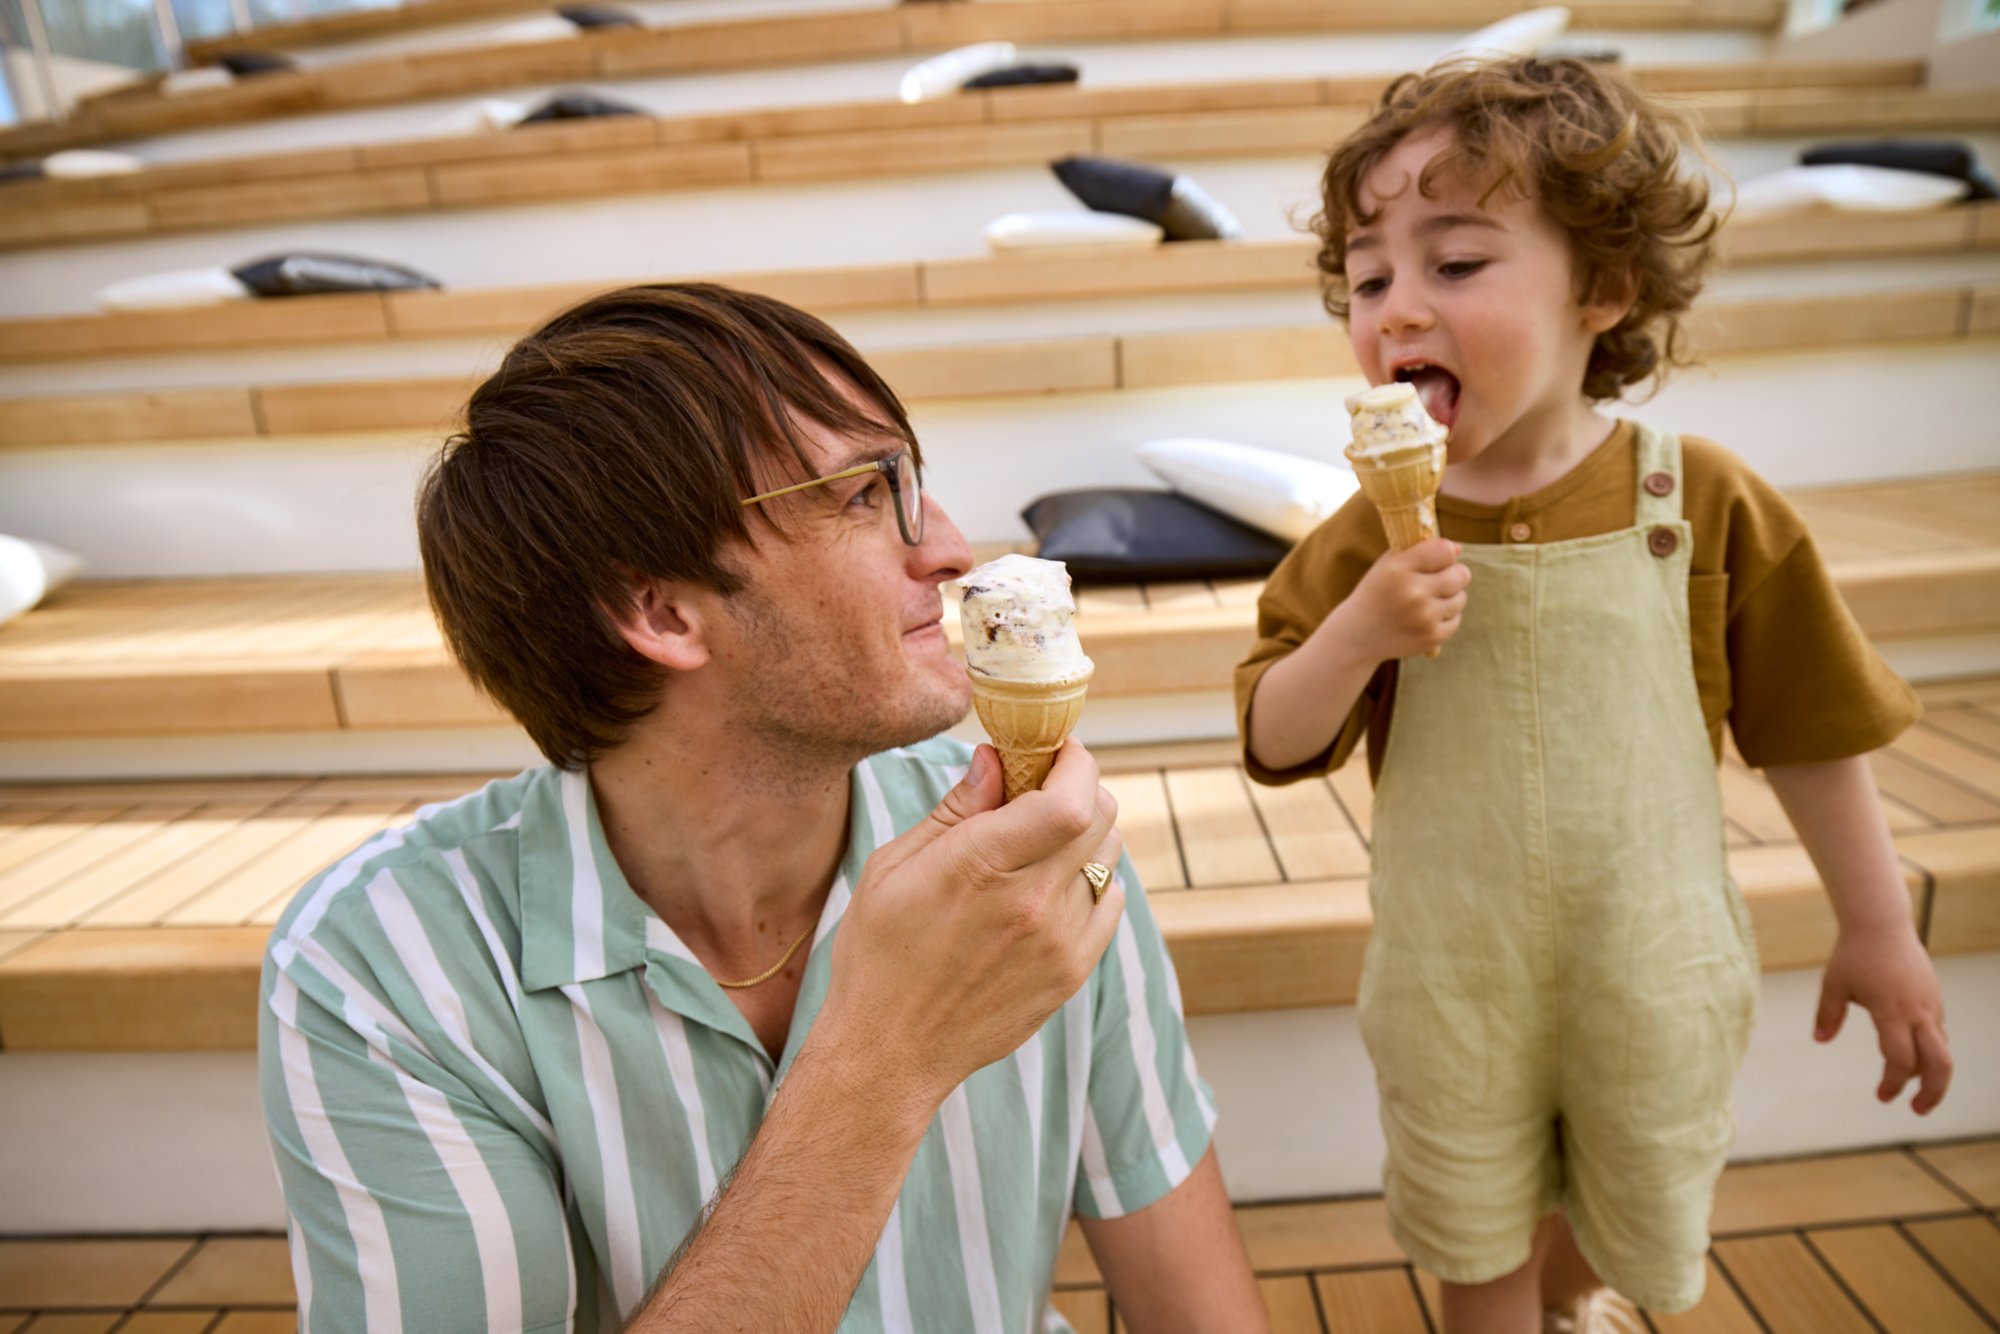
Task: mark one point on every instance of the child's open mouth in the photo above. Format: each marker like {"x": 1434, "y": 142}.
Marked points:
{"x": 1437, "y": 387}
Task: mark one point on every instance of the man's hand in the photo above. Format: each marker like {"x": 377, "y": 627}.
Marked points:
{"x": 1888, "y": 974}
{"x": 970, "y": 930}
{"x": 1408, "y": 603}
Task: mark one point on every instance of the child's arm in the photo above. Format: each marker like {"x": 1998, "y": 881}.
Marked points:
{"x": 1408, "y": 602}
{"x": 1878, "y": 962}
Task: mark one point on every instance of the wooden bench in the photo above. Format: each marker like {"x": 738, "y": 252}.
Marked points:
{"x": 1094, "y": 364}
{"x": 1181, "y": 268}
{"x": 807, "y": 39}
{"x": 133, "y": 916}
{"x": 637, "y": 155}
{"x": 1875, "y": 1239}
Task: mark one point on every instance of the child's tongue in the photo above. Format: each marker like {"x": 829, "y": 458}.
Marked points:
{"x": 1438, "y": 389}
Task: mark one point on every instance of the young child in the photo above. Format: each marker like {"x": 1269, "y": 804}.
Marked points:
{"x": 1559, "y": 983}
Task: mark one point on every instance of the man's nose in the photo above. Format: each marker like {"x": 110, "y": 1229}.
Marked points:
{"x": 944, "y": 554}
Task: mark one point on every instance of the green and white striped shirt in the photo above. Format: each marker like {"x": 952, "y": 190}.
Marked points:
{"x": 501, "y": 1091}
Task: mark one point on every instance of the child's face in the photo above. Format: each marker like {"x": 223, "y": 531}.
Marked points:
{"x": 1474, "y": 304}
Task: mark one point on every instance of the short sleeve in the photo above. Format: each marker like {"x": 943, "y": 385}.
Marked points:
{"x": 412, "y": 1204}
{"x": 1309, "y": 583}
{"x": 1805, "y": 684}
{"x": 1148, "y": 1116}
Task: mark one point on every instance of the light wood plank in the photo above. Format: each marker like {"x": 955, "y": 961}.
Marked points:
{"x": 1185, "y": 136}
{"x": 1221, "y": 838}
{"x": 1310, "y": 832}
{"x": 1720, "y": 1311}
{"x": 1895, "y": 1282}
{"x": 165, "y": 990}
{"x": 161, "y": 414}
{"x": 1325, "y": 1235}
{"x": 232, "y": 1271}
{"x": 110, "y": 877}
{"x": 80, "y": 221}
{"x": 1146, "y": 823}
{"x": 1381, "y": 1301}
{"x": 930, "y": 149}
{"x": 1939, "y": 798}
{"x": 26, "y": 835}
{"x": 1088, "y": 1310}
{"x": 541, "y": 139}
{"x": 1966, "y": 765}
{"x": 1967, "y": 1249}
{"x": 1266, "y": 947}
{"x": 194, "y": 208}
{"x": 38, "y": 1273}
{"x": 1974, "y": 1168}
{"x": 1291, "y": 1304}
{"x": 257, "y": 1322}
{"x": 277, "y": 874}
{"x": 1965, "y": 905}
{"x": 581, "y": 175}
{"x": 171, "y": 1322}
{"x": 1789, "y": 1288}
{"x": 1968, "y": 725}
{"x": 1744, "y": 327}
{"x": 136, "y": 699}
{"x": 150, "y": 899}
{"x": 334, "y": 318}
{"x": 1350, "y": 783}
{"x": 1151, "y": 361}
{"x": 1183, "y": 595}
{"x": 1813, "y": 1192}
{"x": 1808, "y": 111}
{"x": 306, "y": 409}
{"x": 139, "y": 824}
{"x": 1060, "y": 365}
{"x": 1750, "y": 802}
{"x": 411, "y": 688}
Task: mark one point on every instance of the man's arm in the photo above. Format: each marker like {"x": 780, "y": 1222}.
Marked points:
{"x": 1179, "y": 1263}
{"x": 1878, "y": 961}
{"x": 962, "y": 938}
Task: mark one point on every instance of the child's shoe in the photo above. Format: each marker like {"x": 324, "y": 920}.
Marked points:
{"x": 1600, "y": 1312}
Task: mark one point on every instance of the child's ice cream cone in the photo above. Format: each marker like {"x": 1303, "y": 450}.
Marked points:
{"x": 1398, "y": 457}
{"x": 1029, "y": 674}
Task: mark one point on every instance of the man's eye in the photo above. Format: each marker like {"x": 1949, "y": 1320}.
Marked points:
{"x": 1461, "y": 268}
{"x": 869, "y": 495}
{"x": 1370, "y": 287}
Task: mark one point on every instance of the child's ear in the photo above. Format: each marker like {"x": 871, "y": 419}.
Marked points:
{"x": 1610, "y": 301}
{"x": 664, "y": 621}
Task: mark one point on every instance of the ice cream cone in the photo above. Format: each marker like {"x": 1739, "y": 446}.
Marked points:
{"x": 1403, "y": 485}
{"x": 1028, "y": 721}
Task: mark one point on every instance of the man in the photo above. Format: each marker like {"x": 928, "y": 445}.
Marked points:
{"x": 757, "y": 1011}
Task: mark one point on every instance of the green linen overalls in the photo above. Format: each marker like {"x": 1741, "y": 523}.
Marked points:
{"x": 1560, "y": 981}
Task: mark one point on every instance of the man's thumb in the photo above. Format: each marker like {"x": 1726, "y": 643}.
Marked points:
{"x": 981, "y": 790}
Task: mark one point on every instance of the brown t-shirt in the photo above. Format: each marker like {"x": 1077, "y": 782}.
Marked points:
{"x": 1777, "y": 655}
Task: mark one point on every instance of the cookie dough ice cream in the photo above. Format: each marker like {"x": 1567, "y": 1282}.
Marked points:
{"x": 1029, "y": 673}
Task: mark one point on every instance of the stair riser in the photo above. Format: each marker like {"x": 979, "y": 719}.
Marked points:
{"x": 97, "y": 1143}
{"x": 343, "y": 502}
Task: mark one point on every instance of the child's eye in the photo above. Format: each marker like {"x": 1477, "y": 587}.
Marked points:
{"x": 1369, "y": 287}
{"x": 1461, "y": 268}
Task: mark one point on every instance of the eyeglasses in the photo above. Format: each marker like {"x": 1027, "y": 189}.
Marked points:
{"x": 899, "y": 470}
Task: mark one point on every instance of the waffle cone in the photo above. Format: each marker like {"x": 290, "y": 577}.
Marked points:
{"x": 1403, "y": 485}
{"x": 1028, "y": 721}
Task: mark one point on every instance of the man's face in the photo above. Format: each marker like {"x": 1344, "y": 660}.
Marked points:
{"x": 835, "y": 642}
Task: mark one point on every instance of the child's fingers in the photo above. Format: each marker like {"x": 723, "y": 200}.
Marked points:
{"x": 1432, "y": 557}
{"x": 1934, "y": 1057}
{"x": 1832, "y": 1012}
{"x": 1899, "y": 1060}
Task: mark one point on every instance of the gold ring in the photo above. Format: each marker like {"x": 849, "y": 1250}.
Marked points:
{"x": 1099, "y": 875}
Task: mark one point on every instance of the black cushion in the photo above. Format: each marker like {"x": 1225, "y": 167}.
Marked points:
{"x": 1934, "y": 157}
{"x": 29, "y": 169}
{"x": 1118, "y": 534}
{"x": 309, "y": 274}
{"x": 245, "y": 63}
{"x": 578, "y": 106}
{"x": 1015, "y": 76}
{"x": 1182, "y": 209}
{"x": 599, "y": 16}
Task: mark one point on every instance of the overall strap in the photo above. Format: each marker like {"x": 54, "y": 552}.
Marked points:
{"x": 1659, "y": 494}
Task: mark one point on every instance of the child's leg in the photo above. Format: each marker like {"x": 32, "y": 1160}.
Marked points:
{"x": 1512, "y": 1303}
{"x": 1566, "y": 1275}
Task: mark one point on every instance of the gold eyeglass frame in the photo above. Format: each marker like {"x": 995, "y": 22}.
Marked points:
{"x": 889, "y": 468}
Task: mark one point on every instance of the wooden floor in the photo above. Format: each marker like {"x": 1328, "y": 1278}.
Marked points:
{"x": 1894, "y": 1241}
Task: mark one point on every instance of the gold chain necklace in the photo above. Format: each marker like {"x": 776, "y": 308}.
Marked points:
{"x": 772, "y": 971}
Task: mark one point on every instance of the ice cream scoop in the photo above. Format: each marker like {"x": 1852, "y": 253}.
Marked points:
{"x": 1029, "y": 673}
{"x": 1388, "y": 417}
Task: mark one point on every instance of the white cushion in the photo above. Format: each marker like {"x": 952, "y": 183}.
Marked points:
{"x": 1038, "y": 231}
{"x": 77, "y": 164}
{"x": 548, "y": 28}
{"x": 1284, "y": 494}
{"x": 1847, "y": 186}
{"x": 28, "y": 570}
{"x": 481, "y": 117}
{"x": 1523, "y": 34}
{"x": 174, "y": 290}
{"x": 196, "y": 80}
{"x": 943, "y": 75}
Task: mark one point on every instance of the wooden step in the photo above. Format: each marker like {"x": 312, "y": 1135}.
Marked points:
{"x": 1891, "y": 1238}
{"x": 636, "y": 155}
{"x": 1096, "y": 364}
{"x": 912, "y": 30}
{"x": 133, "y": 915}
{"x": 1179, "y": 269}
{"x": 361, "y": 653}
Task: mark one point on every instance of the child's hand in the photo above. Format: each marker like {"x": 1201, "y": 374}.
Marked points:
{"x": 1887, "y": 973}
{"x": 1409, "y": 603}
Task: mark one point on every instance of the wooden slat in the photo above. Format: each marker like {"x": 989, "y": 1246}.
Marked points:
{"x": 232, "y": 1271}
{"x": 1965, "y": 905}
{"x": 1380, "y": 1300}
{"x": 1937, "y": 797}
{"x": 1807, "y": 111}
{"x": 141, "y": 699}
{"x": 900, "y": 152}
{"x": 1146, "y": 823}
{"x": 1973, "y": 1168}
{"x": 1816, "y": 1192}
{"x": 103, "y": 840}
{"x": 167, "y": 990}
{"x": 543, "y": 139}
{"x": 1221, "y": 838}
{"x": 304, "y": 409}
{"x": 581, "y": 175}
{"x": 1217, "y": 356}
{"x": 149, "y": 899}
{"x": 215, "y": 206}
{"x": 1292, "y": 1307}
{"x": 1984, "y": 316}
{"x": 1088, "y": 1310}
{"x": 84, "y": 1272}
{"x": 1339, "y": 1234}
{"x": 110, "y": 877}
{"x": 1789, "y": 1287}
{"x": 1743, "y": 327}
{"x": 1896, "y": 1283}
{"x": 1309, "y": 832}
{"x": 1720, "y": 1311}
{"x": 1266, "y": 947}
{"x": 163, "y": 414}
{"x": 1968, "y": 1251}
{"x": 236, "y": 897}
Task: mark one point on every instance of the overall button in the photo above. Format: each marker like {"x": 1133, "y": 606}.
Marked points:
{"x": 1520, "y": 532}
{"x": 1663, "y": 542}
{"x": 1660, "y": 484}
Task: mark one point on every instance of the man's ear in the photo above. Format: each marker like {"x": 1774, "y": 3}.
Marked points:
{"x": 665, "y": 621}
{"x": 1611, "y": 302}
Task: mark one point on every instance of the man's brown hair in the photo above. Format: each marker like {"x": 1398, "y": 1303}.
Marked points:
{"x": 618, "y": 439}
{"x": 1604, "y": 160}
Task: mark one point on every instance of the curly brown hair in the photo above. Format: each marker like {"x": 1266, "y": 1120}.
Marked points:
{"x": 1602, "y": 158}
